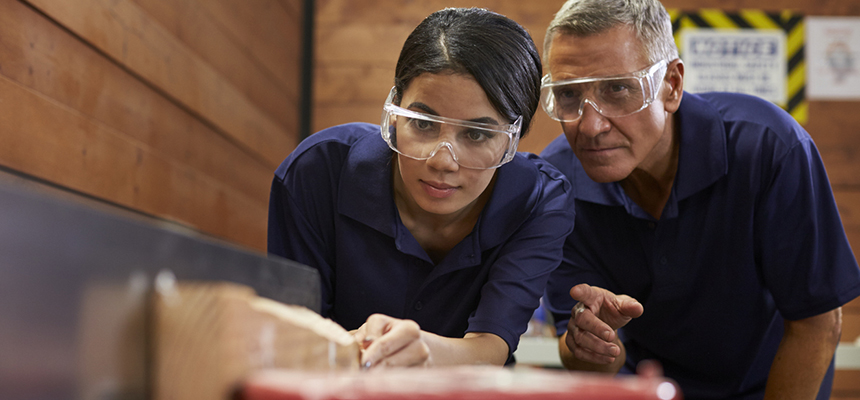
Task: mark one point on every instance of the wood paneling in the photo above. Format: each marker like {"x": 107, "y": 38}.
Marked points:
{"x": 845, "y": 385}
{"x": 179, "y": 109}
{"x": 270, "y": 83}
{"x": 127, "y": 34}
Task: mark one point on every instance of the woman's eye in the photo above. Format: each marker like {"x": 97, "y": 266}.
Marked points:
{"x": 476, "y": 135}
{"x": 422, "y": 124}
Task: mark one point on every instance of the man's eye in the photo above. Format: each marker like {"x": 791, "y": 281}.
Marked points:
{"x": 568, "y": 94}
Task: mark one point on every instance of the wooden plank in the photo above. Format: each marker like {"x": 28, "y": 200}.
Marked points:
{"x": 850, "y": 325}
{"x": 230, "y": 57}
{"x": 846, "y": 384}
{"x": 324, "y": 117}
{"x": 361, "y": 44}
{"x": 543, "y": 131}
{"x": 852, "y": 307}
{"x": 41, "y": 56}
{"x": 387, "y": 12}
{"x": 209, "y": 336}
{"x": 338, "y": 84}
{"x": 50, "y": 141}
{"x": 128, "y": 35}
{"x": 829, "y": 125}
{"x": 848, "y": 202}
{"x": 819, "y": 7}
{"x": 269, "y": 30}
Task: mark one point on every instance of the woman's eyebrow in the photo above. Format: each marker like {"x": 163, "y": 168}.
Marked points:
{"x": 428, "y": 110}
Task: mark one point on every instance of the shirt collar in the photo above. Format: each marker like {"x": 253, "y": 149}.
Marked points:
{"x": 702, "y": 158}
{"x": 365, "y": 194}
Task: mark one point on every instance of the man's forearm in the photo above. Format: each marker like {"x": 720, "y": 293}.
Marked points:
{"x": 804, "y": 355}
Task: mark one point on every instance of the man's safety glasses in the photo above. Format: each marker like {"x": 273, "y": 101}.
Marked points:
{"x": 611, "y": 96}
{"x": 475, "y": 145}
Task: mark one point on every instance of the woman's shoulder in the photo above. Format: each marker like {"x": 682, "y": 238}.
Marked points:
{"x": 534, "y": 180}
{"x": 530, "y": 164}
{"x": 327, "y": 147}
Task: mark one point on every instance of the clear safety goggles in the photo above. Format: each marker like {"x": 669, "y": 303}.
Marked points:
{"x": 474, "y": 145}
{"x": 611, "y": 96}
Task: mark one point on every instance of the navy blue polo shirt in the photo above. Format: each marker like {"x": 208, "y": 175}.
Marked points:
{"x": 332, "y": 208}
{"x": 750, "y": 235}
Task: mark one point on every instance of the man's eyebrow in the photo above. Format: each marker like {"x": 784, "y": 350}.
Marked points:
{"x": 428, "y": 110}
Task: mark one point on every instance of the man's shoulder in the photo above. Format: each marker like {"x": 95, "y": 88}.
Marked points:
{"x": 750, "y": 110}
{"x": 559, "y": 154}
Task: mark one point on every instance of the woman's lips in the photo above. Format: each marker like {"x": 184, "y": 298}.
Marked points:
{"x": 438, "y": 190}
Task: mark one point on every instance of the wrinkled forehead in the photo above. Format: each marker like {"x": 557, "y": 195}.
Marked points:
{"x": 611, "y": 53}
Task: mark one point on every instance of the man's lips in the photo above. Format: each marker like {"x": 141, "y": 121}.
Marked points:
{"x": 438, "y": 189}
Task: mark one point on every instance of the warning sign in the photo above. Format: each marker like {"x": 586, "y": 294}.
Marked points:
{"x": 748, "y": 51}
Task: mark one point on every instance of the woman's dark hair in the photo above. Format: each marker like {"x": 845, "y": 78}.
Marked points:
{"x": 498, "y": 52}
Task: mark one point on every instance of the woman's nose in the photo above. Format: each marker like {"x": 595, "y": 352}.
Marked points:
{"x": 441, "y": 159}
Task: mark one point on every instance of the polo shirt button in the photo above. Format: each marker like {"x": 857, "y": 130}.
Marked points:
{"x": 663, "y": 260}
{"x": 418, "y": 305}
{"x": 651, "y": 225}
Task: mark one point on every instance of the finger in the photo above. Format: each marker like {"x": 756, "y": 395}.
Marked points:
{"x": 359, "y": 334}
{"x": 584, "y": 319}
{"x": 593, "y": 344}
{"x": 414, "y": 354}
{"x": 399, "y": 334}
{"x": 630, "y": 307}
{"x": 585, "y": 354}
{"x": 583, "y": 293}
{"x": 375, "y": 326}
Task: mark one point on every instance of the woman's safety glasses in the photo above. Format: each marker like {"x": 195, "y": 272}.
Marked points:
{"x": 475, "y": 145}
{"x": 611, "y": 96}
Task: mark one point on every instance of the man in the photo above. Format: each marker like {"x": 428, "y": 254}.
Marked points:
{"x": 707, "y": 237}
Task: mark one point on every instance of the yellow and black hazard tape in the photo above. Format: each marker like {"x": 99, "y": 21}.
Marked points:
{"x": 790, "y": 23}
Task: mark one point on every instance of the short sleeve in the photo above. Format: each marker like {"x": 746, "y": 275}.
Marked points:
{"x": 806, "y": 260}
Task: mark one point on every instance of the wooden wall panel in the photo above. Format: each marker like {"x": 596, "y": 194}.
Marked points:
{"x": 126, "y": 33}
{"x": 191, "y": 22}
{"x": 121, "y": 101}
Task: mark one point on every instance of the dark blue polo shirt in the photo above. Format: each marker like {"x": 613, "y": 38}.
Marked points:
{"x": 332, "y": 208}
{"x": 750, "y": 235}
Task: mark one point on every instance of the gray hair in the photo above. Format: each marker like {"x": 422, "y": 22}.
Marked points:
{"x": 648, "y": 18}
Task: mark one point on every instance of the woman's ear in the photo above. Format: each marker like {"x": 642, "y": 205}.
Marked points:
{"x": 674, "y": 81}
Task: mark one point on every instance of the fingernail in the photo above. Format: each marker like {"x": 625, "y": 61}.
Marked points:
{"x": 607, "y": 335}
{"x": 614, "y": 351}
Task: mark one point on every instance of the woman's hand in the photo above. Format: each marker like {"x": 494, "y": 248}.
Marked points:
{"x": 392, "y": 342}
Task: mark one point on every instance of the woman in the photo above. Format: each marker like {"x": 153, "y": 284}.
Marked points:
{"x": 433, "y": 240}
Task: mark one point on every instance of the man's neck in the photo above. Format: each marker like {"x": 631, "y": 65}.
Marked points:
{"x": 650, "y": 185}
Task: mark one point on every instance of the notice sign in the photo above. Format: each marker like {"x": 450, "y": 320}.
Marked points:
{"x": 833, "y": 57}
{"x": 745, "y": 61}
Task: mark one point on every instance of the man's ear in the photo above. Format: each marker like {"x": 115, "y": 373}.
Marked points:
{"x": 674, "y": 81}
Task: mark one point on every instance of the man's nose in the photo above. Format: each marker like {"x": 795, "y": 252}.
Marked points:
{"x": 591, "y": 122}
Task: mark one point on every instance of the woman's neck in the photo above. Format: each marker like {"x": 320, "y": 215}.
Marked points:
{"x": 436, "y": 233}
